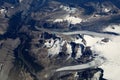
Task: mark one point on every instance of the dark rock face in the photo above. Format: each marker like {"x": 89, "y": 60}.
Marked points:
{"x": 27, "y": 25}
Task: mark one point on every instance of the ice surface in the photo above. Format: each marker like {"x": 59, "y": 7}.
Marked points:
{"x": 110, "y": 51}
{"x": 113, "y": 28}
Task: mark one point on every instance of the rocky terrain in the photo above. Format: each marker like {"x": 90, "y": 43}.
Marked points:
{"x": 59, "y": 39}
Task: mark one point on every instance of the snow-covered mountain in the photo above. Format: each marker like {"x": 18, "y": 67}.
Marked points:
{"x": 59, "y": 39}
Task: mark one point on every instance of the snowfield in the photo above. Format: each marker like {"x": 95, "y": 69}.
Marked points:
{"x": 68, "y": 9}
{"x": 106, "y": 46}
{"x": 90, "y": 40}
{"x": 53, "y": 46}
{"x": 110, "y": 51}
{"x": 69, "y": 19}
{"x": 113, "y": 28}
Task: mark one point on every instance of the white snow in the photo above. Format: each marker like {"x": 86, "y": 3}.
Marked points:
{"x": 79, "y": 53}
{"x": 20, "y": 1}
{"x": 91, "y": 40}
{"x": 55, "y": 46}
{"x": 110, "y": 51}
{"x": 69, "y": 48}
{"x": 107, "y": 9}
{"x": 73, "y": 20}
{"x": 70, "y": 19}
{"x": 76, "y": 75}
{"x": 96, "y": 62}
{"x": 113, "y": 28}
{"x": 88, "y": 33}
{"x": 68, "y": 9}
{"x": 12, "y": 7}
{"x": 78, "y": 41}
{"x": 96, "y": 76}
{"x": 59, "y": 20}
{"x": 3, "y": 11}
{"x": 55, "y": 49}
{"x": 49, "y": 43}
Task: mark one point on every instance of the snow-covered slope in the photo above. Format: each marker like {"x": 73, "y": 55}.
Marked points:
{"x": 90, "y": 40}
{"x": 68, "y": 17}
{"x": 106, "y": 47}
{"x": 110, "y": 51}
{"x": 113, "y": 28}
